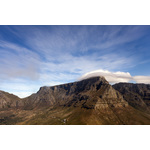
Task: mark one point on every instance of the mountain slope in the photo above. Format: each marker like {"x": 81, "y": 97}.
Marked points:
{"x": 137, "y": 95}
{"x": 90, "y": 101}
{"x": 8, "y": 100}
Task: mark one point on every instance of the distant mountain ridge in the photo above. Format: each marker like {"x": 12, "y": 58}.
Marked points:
{"x": 89, "y": 101}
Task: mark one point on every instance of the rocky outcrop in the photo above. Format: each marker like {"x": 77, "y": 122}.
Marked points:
{"x": 137, "y": 95}
{"x": 110, "y": 98}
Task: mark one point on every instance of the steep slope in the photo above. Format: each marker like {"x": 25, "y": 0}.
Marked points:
{"x": 137, "y": 95}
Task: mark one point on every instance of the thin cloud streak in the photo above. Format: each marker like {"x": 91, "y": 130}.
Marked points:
{"x": 17, "y": 61}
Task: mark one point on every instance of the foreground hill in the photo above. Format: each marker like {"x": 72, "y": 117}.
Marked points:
{"x": 8, "y": 100}
{"x": 90, "y": 101}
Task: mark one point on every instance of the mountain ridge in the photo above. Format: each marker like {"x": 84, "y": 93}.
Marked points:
{"x": 89, "y": 101}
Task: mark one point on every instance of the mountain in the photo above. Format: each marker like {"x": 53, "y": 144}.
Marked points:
{"x": 8, "y": 100}
{"x": 90, "y": 101}
{"x": 137, "y": 95}
{"x": 90, "y": 93}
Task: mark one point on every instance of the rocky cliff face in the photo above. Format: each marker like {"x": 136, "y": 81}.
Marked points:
{"x": 137, "y": 95}
{"x": 89, "y": 93}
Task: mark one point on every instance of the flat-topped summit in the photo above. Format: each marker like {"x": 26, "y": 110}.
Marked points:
{"x": 93, "y": 92}
{"x": 90, "y": 80}
{"x": 84, "y": 82}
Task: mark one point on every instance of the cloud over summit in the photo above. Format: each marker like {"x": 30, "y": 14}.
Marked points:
{"x": 112, "y": 77}
{"x": 116, "y": 77}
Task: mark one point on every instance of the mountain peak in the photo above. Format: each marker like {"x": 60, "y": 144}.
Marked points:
{"x": 93, "y": 77}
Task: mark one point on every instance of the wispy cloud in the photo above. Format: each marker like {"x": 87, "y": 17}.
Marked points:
{"x": 17, "y": 61}
{"x": 50, "y": 55}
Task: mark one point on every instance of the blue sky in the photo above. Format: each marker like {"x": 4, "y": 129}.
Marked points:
{"x": 35, "y": 56}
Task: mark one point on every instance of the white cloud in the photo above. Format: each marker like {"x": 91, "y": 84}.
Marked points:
{"x": 111, "y": 77}
{"x": 116, "y": 77}
{"x": 142, "y": 79}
